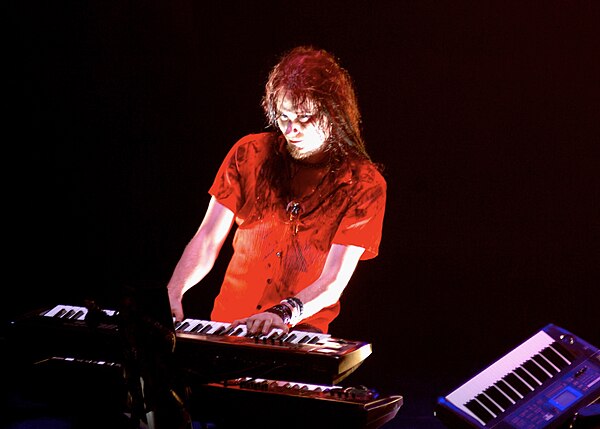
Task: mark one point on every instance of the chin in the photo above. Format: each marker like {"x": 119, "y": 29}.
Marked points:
{"x": 303, "y": 155}
{"x": 297, "y": 153}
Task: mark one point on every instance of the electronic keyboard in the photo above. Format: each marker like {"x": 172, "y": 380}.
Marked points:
{"x": 208, "y": 348}
{"x": 541, "y": 383}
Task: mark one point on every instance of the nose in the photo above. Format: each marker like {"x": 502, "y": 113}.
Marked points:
{"x": 292, "y": 127}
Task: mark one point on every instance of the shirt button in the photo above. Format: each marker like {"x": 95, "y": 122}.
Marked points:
{"x": 278, "y": 254}
{"x": 258, "y": 307}
{"x": 269, "y": 281}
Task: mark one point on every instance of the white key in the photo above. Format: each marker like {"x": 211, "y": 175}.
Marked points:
{"x": 83, "y": 311}
{"x": 497, "y": 370}
{"x": 66, "y": 308}
{"x": 292, "y": 337}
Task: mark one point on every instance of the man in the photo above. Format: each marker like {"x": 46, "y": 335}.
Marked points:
{"x": 307, "y": 200}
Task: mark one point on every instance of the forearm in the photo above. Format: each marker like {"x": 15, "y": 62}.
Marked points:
{"x": 321, "y": 294}
{"x": 328, "y": 288}
{"x": 195, "y": 263}
{"x": 201, "y": 252}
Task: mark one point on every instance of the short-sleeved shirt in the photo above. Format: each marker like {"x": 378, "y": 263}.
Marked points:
{"x": 277, "y": 254}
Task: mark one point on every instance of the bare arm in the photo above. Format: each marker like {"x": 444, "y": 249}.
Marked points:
{"x": 200, "y": 254}
{"x": 325, "y": 291}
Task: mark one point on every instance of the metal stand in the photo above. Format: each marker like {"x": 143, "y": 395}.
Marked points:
{"x": 151, "y": 375}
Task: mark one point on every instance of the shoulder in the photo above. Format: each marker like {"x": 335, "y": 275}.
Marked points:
{"x": 256, "y": 141}
{"x": 366, "y": 173}
{"x": 253, "y": 146}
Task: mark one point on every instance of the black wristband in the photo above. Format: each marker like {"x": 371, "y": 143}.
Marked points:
{"x": 282, "y": 311}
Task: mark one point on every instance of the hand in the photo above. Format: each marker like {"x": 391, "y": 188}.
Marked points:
{"x": 176, "y": 306}
{"x": 262, "y": 323}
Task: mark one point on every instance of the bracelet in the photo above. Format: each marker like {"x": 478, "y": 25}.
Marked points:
{"x": 296, "y": 308}
{"x": 296, "y": 301}
{"x": 289, "y": 309}
{"x": 282, "y": 311}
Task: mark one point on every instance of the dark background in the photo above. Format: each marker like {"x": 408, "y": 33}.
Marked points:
{"x": 485, "y": 115}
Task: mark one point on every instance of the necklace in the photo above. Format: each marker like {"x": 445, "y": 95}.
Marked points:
{"x": 304, "y": 183}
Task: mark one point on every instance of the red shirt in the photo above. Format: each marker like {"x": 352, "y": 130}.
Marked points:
{"x": 276, "y": 256}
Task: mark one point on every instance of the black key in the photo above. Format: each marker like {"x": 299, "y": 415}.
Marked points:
{"x": 502, "y": 385}
{"x": 545, "y": 366}
{"x": 289, "y": 338}
{"x": 498, "y": 397}
{"x": 181, "y": 326}
{"x": 237, "y": 332}
{"x": 553, "y": 356}
{"x": 274, "y": 336}
{"x": 539, "y": 358}
{"x": 517, "y": 384}
{"x": 219, "y": 330}
{"x": 228, "y": 331}
{"x": 77, "y": 315}
{"x": 563, "y": 352}
{"x": 304, "y": 339}
{"x": 199, "y": 327}
{"x": 528, "y": 379}
{"x": 68, "y": 314}
{"x": 479, "y": 411}
{"x": 204, "y": 329}
{"x": 536, "y": 371}
{"x": 489, "y": 404}
{"x": 314, "y": 340}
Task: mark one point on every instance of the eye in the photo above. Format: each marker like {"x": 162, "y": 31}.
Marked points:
{"x": 304, "y": 118}
{"x": 283, "y": 118}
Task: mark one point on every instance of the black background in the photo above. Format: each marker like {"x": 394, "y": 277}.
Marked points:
{"x": 485, "y": 115}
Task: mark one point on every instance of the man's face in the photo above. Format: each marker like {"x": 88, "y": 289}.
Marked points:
{"x": 305, "y": 136}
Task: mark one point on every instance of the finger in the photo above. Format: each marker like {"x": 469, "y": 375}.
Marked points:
{"x": 266, "y": 328}
{"x": 251, "y": 326}
{"x": 238, "y": 322}
{"x": 177, "y": 316}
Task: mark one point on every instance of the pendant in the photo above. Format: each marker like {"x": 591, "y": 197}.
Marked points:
{"x": 294, "y": 209}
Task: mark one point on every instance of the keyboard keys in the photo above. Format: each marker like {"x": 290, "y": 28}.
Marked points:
{"x": 516, "y": 383}
{"x": 529, "y": 381}
{"x": 548, "y": 366}
{"x": 489, "y": 404}
{"x": 508, "y": 390}
{"x": 562, "y": 355}
{"x": 504, "y": 384}
{"x": 536, "y": 370}
{"x": 194, "y": 326}
{"x": 498, "y": 397}
{"x": 479, "y": 410}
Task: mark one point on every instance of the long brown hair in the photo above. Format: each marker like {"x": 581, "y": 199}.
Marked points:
{"x": 311, "y": 78}
{"x": 307, "y": 74}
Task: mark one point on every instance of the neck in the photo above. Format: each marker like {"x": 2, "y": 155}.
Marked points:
{"x": 315, "y": 161}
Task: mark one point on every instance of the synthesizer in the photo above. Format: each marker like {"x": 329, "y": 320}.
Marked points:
{"x": 541, "y": 383}
{"x": 210, "y": 349}
{"x": 296, "y": 405}
{"x": 229, "y": 404}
